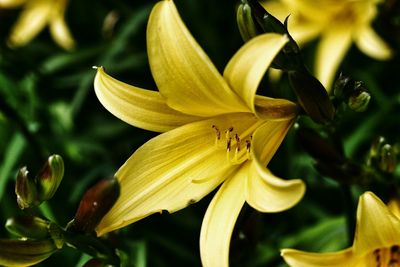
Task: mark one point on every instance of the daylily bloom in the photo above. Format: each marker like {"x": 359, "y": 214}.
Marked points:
{"x": 35, "y": 16}
{"x": 376, "y": 240}
{"x": 338, "y": 23}
{"x": 216, "y": 130}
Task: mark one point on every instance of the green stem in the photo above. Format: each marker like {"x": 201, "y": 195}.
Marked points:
{"x": 92, "y": 246}
{"x": 350, "y": 213}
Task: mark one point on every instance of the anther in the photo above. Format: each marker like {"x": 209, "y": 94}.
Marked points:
{"x": 218, "y": 132}
{"x": 237, "y": 138}
{"x": 248, "y": 145}
{"x": 228, "y": 133}
{"x": 228, "y": 144}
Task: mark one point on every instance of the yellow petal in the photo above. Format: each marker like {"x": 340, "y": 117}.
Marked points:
{"x": 161, "y": 174}
{"x": 182, "y": 71}
{"x": 11, "y": 3}
{"x": 296, "y": 258}
{"x": 267, "y": 139}
{"x": 394, "y": 207}
{"x": 332, "y": 48}
{"x": 220, "y": 219}
{"x": 59, "y": 29}
{"x": 268, "y": 193}
{"x": 141, "y": 108}
{"x": 371, "y": 44}
{"x": 31, "y": 21}
{"x": 264, "y": 191}
{"x": 268, "y": 108}
{"x": 247, "y": 67}
{"x": 376, "y": 226}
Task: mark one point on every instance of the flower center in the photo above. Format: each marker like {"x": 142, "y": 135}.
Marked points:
{"x": 387, "y": 257}
{"x": 237, "y": 145}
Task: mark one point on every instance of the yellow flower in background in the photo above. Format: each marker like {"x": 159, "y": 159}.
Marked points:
{"x": 216, "y": 130}
{"x": 376, "y": 241}
{"x": 35, "y": 16}
{"x": 338, "y": 23}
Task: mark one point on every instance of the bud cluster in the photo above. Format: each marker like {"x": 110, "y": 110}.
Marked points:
{"x": 353, "y": 93}
{"x": 33, "y": 191}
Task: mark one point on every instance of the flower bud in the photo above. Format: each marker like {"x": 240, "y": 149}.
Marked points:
{"x": 388, "y": 159}
{"x": 25, "y": 189}
{"x": 49, "y": 177}
{"x": 359, "y": 98}
{"x": 96, "y": 202}
{"x": 343, "y": 86}
{"x": 28, "y": 227}
{"x": 247, "y": 27}
{"x": 25, "y": 252}
{"x": 312, "y": 96}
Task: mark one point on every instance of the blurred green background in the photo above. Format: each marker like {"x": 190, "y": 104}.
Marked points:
{"x": 48, "y": 105}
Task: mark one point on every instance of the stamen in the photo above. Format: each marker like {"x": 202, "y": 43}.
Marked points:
{"x": 377, "y": 254}
{"x": 218, "y": 132}
{"x": 394, "y": 256}
{"x": 228, "y": 133}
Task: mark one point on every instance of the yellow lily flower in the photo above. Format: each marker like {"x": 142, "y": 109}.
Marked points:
{"x": 36, "y": 14}
{"x": 338, "y": 23}
{"x": 376, "y": 240}
{"x": 215, "y": 130}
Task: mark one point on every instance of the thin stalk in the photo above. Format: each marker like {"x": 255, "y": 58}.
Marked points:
{"x": 350, "y": 213}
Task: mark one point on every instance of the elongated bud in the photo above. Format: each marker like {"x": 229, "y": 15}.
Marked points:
{"x": 25, "y": 189}
{"x": 49, "y": 177}
{"x": 247, "y": 27}
{"x": 289, "y": 58}
{"x": 25, "y": 252}
{"x": 28, "y": 226}
{"x": 95, "y": 203}
{"x": 312, "y": 96}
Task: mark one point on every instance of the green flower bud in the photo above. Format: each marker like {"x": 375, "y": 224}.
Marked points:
{"x": 359, "y": 99}
{"x": 95, "y": 203}
{"x": 25, "y": 189}
{"x": 247, "y": 27}
{"x": 25, "y": 252}
{"x": 312, "y": 96}
{"x": 388, "y": 159}
{"x": 49, "y": 178}
{"x": 343, "y": 86}
{"x": 28, "y": 227}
